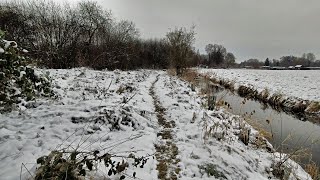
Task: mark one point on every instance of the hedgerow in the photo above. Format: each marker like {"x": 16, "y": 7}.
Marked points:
{"x": 18, "y": 81}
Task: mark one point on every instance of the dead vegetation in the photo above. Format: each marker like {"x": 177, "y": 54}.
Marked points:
{"x": 246, "y": 91}
{"x": 77, "y": 164}
{"x": 190, "y": 75}
{"x": 228, "y": 84}
{"x": 313, "y": 170}
{"x": 276, "y": 100}
{"x": 263, "y": 95}
{"x": 314, "y": 107}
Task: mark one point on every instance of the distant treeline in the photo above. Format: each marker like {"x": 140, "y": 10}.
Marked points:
{"x": 87, "y": 35}
{"x": 306, "y": 60}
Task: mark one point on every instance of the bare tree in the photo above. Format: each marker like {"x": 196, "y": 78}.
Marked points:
{"x": 216, "y": 53}
{"x": 180, "y": 41}
{"x": 63, "y": 36}
{"x": 230, "y": 59}
{"x": 267, "y": 62}
{"x": 309, "y": 56}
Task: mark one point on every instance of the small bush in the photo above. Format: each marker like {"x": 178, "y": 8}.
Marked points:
{"x": 18, "y": 81}
{"x": 75, "y": 164}
{"x": 280, "y": 170}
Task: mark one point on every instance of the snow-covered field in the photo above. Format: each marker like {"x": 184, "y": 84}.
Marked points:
{"x": 296, "y": 83}
{"x": 103, "y": 110}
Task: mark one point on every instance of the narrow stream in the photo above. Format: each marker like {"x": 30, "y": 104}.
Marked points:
{"x": 289, "y": 131}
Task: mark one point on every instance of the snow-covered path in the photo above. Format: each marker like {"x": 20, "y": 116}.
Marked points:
{"x": 118, "y": 113}
{"x": 166, "y": 149}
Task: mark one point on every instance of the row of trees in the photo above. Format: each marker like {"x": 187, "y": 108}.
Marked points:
{"x": 86, "y": 35}
{"x": 307, "y": 60}
{"x": 64, "y": 37}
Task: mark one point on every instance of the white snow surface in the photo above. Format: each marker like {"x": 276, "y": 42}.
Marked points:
{"x": 10, "y": 43}
{"x": 304, "y": 84}
{"x": 84, "y": 95}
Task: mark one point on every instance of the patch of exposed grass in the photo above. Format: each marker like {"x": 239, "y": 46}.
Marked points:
{"x": 162, "y": 168}
{"x": 211, "y": 170}
{"x": 171, "y": 71}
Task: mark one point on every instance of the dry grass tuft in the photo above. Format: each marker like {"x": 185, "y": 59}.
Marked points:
{"x": 190, "y": 75}
{"x": 264, "y": 95}
{"x": 276, "y": 100}
{"x": 228, "y": 84}
{"x": 313, "y": 107}
{"x": 248, "y": 92}
{"x": 244, "y": 135}
{"x": 172, "y": 71}
{"x": 313, "y": 170}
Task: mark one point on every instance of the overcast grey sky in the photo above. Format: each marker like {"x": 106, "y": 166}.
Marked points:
{"x": 248, "y": 28}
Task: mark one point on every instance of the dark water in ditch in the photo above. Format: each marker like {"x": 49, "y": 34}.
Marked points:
{"x": 289, "y": 131}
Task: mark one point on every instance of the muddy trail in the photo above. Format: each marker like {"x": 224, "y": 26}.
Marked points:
{"x": 166, "y": 150}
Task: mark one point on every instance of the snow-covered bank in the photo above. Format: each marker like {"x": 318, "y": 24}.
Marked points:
{"x": 208, "y": 141}
{"x": 294, "y": 85}
{"x": 93, "y": 116}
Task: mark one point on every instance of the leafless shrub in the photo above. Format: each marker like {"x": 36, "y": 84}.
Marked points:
{"x": 82, "y": 35}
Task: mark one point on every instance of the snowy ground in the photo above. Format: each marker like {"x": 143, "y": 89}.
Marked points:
{"x": 100, "y": 110}
{"x": 295, "y": 83}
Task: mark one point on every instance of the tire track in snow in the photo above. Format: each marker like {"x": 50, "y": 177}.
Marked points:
{"x": 166, "y": 150}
